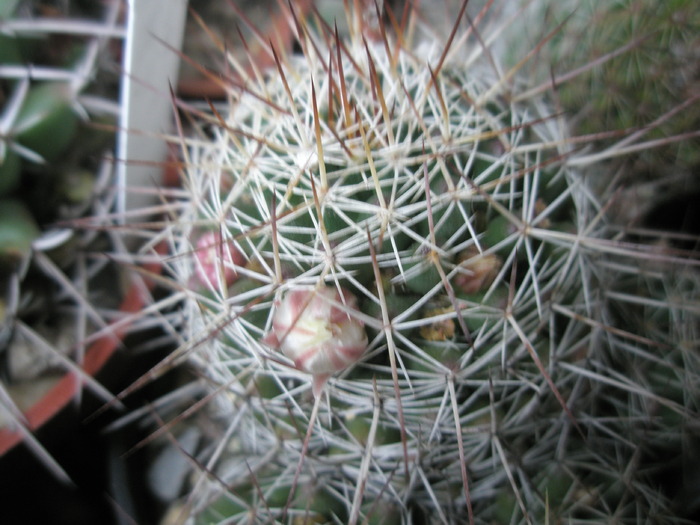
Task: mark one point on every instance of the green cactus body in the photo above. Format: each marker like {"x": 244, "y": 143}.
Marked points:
{"x": 388, "y": 169}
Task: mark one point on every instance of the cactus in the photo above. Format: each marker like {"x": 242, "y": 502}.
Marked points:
{"x": 55, "y": 90}
{"x": 656, "y": 73}
{"x": 418, "y": 311}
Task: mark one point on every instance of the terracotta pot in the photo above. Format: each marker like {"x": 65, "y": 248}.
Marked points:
{"x": 69, "y": 385}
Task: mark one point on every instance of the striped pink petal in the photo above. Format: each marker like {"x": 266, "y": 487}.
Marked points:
{"x": 316, "y": 329}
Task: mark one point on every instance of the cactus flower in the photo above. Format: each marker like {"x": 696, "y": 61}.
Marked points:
{"x": 215, "y": 257}
{"x": 315, "y": 328}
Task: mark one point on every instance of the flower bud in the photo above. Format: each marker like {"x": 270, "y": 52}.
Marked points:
{"x": 478, "y": 271}
{"x": 215, "y": 258}
{"x": 315, "y": 328}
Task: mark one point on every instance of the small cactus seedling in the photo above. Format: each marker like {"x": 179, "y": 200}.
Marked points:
{"x": 414, "y": 310}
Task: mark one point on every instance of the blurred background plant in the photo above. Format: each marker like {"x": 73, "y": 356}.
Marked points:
{"x": 59, "y": 72}
{"x": 637, "y": 67}
{"x": 64, "y": 302}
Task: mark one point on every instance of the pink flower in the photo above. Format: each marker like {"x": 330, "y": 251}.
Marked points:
{"x": 315, "y": 328}
{"x": 215, "y": 258}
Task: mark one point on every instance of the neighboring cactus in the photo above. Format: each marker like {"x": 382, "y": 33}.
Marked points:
{"x": 54, "y": 78}
{"x": 521, "y": 362}
{"x": 657, "y": 72}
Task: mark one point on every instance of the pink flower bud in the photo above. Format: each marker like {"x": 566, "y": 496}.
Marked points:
{"x": 315, "y": 328}
{"x": 214, "y": 258}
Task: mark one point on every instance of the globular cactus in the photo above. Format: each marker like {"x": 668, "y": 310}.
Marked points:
{"x": 644, "y": 57}
{"x": 399, "y": 280}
